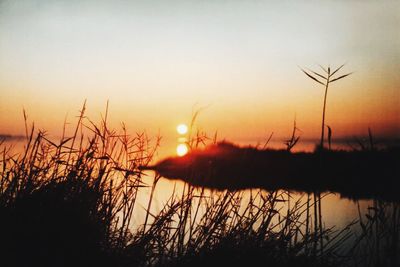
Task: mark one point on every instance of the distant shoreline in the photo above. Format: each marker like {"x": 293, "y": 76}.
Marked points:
{"x": 10, "y": 137}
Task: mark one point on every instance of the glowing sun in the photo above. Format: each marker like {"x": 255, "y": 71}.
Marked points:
{"x": 182, "y": 129}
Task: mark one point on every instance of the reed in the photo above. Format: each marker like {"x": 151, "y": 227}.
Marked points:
{"x": 326, "y": 78}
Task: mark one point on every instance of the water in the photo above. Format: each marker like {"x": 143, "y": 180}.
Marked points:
{"x": 336, "y": 211}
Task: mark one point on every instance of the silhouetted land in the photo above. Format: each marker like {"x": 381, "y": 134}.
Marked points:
{"x": 354, "y": 174}
{"x": 9, "y": 137}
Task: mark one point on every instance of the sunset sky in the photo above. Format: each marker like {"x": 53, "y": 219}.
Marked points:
{"x": 156, "y": 61}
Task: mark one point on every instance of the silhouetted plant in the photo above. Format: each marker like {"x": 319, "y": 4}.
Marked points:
{"x": 327, "y": 78}
{"x": 324, "y": 79}
{"x": 290, "y": 143}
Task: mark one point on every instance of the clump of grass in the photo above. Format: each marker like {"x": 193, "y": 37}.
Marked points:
{"x": 71, "y": 203}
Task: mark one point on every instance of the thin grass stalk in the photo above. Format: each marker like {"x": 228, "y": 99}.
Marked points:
{"x": 323, "y": 111}
{"x": 307, "y": 232}
{"x": 150, "y": 201}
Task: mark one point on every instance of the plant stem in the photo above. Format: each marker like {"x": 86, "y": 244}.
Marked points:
{"x": 323, "y": 114}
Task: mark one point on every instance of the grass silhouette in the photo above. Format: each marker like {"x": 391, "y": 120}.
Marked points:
{"x": 71, "y": 203}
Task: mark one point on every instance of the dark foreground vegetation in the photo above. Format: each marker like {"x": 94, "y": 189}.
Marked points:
{"x": 71, "y": 203}
{"x": 373, "y": 174}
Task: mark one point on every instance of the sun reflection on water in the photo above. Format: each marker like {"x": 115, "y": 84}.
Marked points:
{"x": 181, "y": 150}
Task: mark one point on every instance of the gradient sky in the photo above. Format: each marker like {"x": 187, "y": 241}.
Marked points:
{"x": 156, "y": 61}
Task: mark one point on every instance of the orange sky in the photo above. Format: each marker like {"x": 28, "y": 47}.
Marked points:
{"x": 155, "y": 63}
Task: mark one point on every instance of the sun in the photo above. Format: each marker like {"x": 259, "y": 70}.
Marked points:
{"x": 182, "y": 129}
{"x": 181, "y": 150}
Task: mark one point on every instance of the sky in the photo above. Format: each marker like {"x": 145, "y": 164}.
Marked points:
{"x": 238, "y": 61}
